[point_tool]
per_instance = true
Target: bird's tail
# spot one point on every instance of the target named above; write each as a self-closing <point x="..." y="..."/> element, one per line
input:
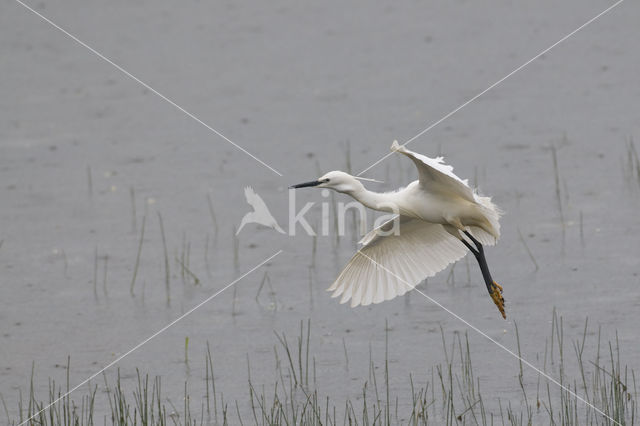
<point x="492" y="213"/>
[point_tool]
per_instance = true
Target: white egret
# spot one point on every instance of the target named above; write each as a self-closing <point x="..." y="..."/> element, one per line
<point x="440" y="218"/>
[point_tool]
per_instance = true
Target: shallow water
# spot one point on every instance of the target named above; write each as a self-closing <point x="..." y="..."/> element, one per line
<point x="294" y="84"/>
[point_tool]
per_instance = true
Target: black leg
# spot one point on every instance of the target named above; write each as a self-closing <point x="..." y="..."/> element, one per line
<point x="482" y="261"/>
<point x="495" y="291"/>
<point x="471" y="249"/>
<point x="472" y="238"/>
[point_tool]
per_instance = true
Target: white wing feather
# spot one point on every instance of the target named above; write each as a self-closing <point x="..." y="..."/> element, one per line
<point x="434" y="175"/>
<point x="390" y="265"/>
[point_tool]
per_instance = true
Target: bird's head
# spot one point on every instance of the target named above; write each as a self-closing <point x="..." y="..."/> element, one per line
<point x="336" y="180"/>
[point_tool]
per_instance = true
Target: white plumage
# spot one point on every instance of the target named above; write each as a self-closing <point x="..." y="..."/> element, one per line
<point x="399" y="262"/>
<point x="439" y="216"/>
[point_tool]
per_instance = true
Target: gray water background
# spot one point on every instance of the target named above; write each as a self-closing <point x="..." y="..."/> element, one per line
<point x="295" y="84"/>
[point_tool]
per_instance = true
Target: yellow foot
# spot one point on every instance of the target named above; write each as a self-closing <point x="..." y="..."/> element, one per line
<point x="496" y="296"/>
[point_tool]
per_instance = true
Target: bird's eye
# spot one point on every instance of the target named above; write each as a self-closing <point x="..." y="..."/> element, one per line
<point x="326" y="180"/>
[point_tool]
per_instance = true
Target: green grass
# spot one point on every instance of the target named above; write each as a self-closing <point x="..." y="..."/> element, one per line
<point x="451" y="395"/>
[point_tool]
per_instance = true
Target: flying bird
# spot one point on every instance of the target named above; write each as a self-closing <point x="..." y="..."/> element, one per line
<point x="440" y="218"/>
<point x="260" y="214"/>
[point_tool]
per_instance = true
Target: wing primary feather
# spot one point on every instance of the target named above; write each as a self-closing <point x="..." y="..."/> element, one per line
<point x="389" y="266"/>
<point x="369" y="286"/>
<point x="359" y="281"/>
<point x="380" y="290"/>
<point x="350" y="280"/>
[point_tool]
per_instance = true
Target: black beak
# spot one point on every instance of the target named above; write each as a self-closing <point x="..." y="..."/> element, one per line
<point x="306" y="184"/>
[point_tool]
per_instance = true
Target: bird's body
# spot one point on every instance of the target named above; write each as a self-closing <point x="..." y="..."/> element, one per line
<point x="439" y="218"/>
<point x="419" y="202"/>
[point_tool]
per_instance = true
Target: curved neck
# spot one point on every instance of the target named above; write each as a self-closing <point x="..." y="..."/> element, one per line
<point x="374" y="200"/>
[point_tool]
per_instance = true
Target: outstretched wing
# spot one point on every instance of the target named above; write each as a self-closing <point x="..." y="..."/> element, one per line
<point x="390" y="265"/>
<point x="435" y="176"/>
